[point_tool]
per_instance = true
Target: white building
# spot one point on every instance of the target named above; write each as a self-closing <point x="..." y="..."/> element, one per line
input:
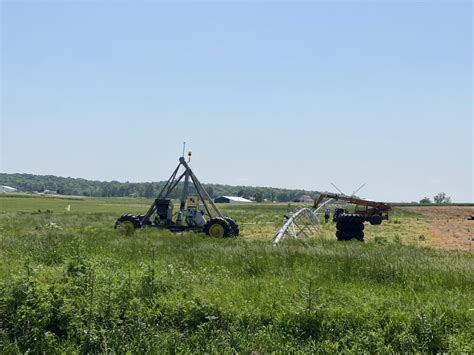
<point x="231" y="199"/>
<point x="4" y="188"/>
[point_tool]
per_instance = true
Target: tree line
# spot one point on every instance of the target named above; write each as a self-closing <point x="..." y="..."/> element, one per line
<point x="439" y="198"/>
<point x="93" y="188"/>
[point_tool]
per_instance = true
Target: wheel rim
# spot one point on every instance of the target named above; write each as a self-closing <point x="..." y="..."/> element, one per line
<point x="216" y="230"/>
<point x="126" y="227"/>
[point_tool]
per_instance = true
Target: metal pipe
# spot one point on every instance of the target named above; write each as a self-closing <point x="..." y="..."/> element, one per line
<point x="290" y="223"/>
<point x="171" y="187"/>
<point x="153" y="206"/>
<point x="200" y="189"/>
<point x="184" y="196"/>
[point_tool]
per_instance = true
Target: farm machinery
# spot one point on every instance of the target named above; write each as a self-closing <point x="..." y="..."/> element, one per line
<point x="351" y="225"/>
<point x="195" y="213"/>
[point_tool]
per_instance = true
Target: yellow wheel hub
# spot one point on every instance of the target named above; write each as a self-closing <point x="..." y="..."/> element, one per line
<point x="216" y="230"/>
<point x="127" y="227"/>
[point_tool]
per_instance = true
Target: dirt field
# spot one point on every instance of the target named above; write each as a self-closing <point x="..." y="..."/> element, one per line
<point x="449" y="226"/>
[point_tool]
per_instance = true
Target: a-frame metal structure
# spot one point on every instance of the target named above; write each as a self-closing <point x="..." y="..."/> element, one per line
<point x="188" y="175"/>
<point x="189" y="217"/>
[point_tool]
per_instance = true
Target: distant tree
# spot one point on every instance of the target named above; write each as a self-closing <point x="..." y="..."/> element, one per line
<point x="441" y="198"/>
<point x="425" y="200"/>
<point x="148" y="190"/>
<point x="259" y="197"/>
<point x="73" y="186"/>
<point x="283" y="197"/>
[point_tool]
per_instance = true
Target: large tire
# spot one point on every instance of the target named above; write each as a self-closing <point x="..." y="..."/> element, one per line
<point x="346" y="226"/>
<point x="375" y="219"/>
<point x="127" y="224"/>
<point x="233" y="225"/>
<point x="218" y="228"/>
<point x="350" y="218"/>
<point x="342" y="235"/>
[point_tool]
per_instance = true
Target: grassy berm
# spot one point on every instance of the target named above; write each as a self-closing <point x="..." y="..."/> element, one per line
<point x="70" y="284"/>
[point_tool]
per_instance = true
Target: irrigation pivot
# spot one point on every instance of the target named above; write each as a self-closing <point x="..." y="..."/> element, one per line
<point x="196" y="213"/>
<point x="349" y="225"/>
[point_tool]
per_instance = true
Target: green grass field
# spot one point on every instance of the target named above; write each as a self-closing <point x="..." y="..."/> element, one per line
<point x="70" y="284"/>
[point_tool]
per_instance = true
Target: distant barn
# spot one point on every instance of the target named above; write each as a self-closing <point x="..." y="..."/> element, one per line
<point x="231" y="199"/>
<point x="306" y="198"/>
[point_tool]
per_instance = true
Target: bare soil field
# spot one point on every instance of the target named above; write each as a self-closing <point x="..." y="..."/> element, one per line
<point x="449" y="226"/>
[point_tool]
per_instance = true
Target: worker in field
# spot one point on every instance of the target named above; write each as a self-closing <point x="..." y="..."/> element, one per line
<point x="327" y="212"/>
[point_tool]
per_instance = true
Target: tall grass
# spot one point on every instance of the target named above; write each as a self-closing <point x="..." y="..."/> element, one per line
<point x="70" y="284"/>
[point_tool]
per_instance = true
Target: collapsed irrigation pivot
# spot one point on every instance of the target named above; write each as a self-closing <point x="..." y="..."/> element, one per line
<point x="160" y="214"/>
<point x="349" y="225"/>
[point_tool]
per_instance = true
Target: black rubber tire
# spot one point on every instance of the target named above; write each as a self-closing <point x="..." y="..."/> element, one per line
<point x="128" y="218"/>
<point x="342" y="235"/>
<point x="233" y="225"/>
<point x="350" y="218"/>
<point x="222" y="222"/>
<point x="375" y="219"/>
<point x="345" y="226"/>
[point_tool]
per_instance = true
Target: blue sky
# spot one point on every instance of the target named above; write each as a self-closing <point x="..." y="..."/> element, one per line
<point x="277" y="94"/>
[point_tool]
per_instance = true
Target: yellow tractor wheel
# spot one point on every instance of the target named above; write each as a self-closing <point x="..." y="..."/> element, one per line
<point x="218" y="228"/>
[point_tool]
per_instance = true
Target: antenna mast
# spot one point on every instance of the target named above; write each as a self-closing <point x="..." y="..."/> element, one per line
<point x="337" y="188"/>
<point x="357" y="190"/>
